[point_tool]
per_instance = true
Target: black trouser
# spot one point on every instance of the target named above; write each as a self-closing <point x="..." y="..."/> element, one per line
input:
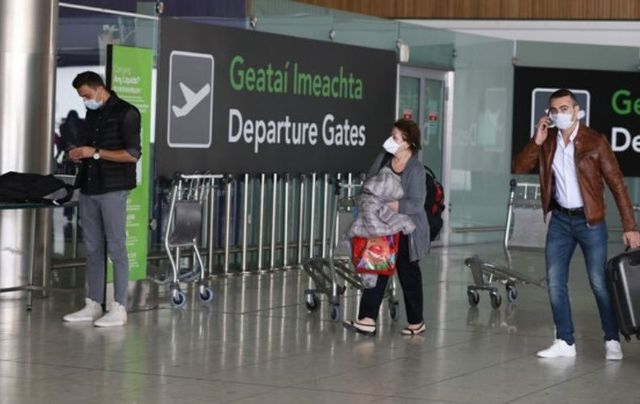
<point x="410" y="280"/>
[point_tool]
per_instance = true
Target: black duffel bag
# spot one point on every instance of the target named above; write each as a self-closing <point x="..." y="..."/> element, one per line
<point x="33" y="188"/>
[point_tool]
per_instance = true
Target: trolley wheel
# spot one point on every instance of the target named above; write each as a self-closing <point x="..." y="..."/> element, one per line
<point x="335" y="312"/>
<point x="312" y="302"/>
<point x="496" y="300"/>
<point x="394" y="313"/>
<point x="206" y="296"/>
<point x="178" y="298"/>
<point x="512" y="293"/>
<point x="474" y="298"/>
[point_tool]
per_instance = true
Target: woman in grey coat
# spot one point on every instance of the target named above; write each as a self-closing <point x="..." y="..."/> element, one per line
<point x="401" y="156"/>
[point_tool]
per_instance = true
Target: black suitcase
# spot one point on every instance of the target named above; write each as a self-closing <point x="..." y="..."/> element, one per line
<point x="624" y="281"/>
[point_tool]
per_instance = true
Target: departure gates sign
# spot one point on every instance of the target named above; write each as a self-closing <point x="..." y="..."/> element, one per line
<point x="270" y="80"/>
<point x="237" y="101"/>
<point x="609" y="103"/>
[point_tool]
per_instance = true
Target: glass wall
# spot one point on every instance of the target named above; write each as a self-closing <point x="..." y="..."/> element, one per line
<point x="480" y="154"/>
<point x="82" y="40"/>
<point x="589" y="57"/>
<point x="481" y="142"/>
<point x="480" y="167"/>
<point x="482" y="125"/>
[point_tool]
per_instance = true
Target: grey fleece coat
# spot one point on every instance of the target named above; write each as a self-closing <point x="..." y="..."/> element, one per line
<point x="376" y="218"/>
<point x="413" y="180"/>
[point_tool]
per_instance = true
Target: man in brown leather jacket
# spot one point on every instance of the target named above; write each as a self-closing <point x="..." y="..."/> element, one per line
<point x="574" y="162"/>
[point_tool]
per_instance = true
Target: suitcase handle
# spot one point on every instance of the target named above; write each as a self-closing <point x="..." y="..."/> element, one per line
<point x="634" y="259"/>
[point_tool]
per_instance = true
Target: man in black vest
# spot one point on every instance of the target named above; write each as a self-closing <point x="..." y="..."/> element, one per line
<point x="108" y="154"/>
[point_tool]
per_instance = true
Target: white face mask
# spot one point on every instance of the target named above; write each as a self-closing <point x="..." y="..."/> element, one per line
<point x="390" y="145"/>
<point x="92" y="104"/>
<point x="562" y="121"/>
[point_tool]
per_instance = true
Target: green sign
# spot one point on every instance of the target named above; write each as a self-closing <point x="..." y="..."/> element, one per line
<point x="239" y="109"/>
<point x="129" y="74"/>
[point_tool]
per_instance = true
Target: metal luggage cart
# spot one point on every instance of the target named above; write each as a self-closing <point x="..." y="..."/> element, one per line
<point x="331" y="276"/>
<point x="525" y="228"/>
<point x="184" y="228"/>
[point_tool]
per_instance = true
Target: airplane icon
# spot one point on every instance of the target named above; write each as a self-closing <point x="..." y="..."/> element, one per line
<point x="192" y="99"/>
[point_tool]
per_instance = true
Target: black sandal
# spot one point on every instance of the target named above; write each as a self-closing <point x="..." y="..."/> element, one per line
<point x="360" y="328"/>
<point x="414" y="331"/>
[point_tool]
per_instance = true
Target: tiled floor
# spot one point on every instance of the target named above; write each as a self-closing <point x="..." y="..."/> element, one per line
<point x="257" y="343"/>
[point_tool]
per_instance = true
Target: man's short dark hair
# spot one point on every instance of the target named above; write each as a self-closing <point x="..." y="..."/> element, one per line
<point x="563" y="92"/>
<point x="88" y="78"/>
<point x="410" y="132"/>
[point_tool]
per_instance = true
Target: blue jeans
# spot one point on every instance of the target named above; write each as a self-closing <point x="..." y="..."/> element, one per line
<point x="565" y="232"/>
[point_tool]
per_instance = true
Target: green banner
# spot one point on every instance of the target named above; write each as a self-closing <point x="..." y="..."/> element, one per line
<point x="129" y="73"/>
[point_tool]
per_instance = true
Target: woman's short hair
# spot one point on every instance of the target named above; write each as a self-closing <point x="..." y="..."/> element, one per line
<point x="410" y="132"/>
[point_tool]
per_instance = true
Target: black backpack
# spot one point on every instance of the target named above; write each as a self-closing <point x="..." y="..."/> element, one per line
<point x="433" y="203"/>
<point x="32" y="188"/>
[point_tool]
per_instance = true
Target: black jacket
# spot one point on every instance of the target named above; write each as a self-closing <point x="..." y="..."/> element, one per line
<point x="114" y="126"/>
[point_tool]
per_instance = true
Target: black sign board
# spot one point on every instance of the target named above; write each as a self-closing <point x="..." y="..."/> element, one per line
<point x="239" y="101"/>
<point x="610" y="102"/>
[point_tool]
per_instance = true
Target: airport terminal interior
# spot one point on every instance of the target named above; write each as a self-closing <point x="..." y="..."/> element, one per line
<point x="240" y="272"/>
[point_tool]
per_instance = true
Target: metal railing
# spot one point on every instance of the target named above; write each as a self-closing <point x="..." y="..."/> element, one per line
<point x="293" y="223"/>
<point x="488" y="229"/>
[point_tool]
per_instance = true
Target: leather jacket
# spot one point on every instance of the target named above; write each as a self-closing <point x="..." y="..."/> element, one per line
<point x="595" y="164"/>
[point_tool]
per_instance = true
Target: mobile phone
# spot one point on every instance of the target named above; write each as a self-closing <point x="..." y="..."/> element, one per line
<point x="551" y="125"/>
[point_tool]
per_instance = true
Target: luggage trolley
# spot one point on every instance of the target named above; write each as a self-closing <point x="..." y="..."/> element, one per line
<point x="524" y="228"/>
<point x="325" y="272"/>
<point x="184" y="227"/>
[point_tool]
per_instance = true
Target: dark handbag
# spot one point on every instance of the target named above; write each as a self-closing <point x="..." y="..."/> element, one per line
<point x="33" y="188"/>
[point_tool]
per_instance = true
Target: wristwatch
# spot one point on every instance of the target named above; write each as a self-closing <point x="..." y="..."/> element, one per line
<point x="96" y="155"/>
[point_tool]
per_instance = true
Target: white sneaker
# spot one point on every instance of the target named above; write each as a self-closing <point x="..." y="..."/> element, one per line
<point x="117" y="316"/>
<point x="559" y="349"/>
<point x="91" y="311"/>
<point x="613" y="350"/>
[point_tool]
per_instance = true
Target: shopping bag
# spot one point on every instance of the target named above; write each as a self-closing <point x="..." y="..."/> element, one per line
<point x="377" y="255"/>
